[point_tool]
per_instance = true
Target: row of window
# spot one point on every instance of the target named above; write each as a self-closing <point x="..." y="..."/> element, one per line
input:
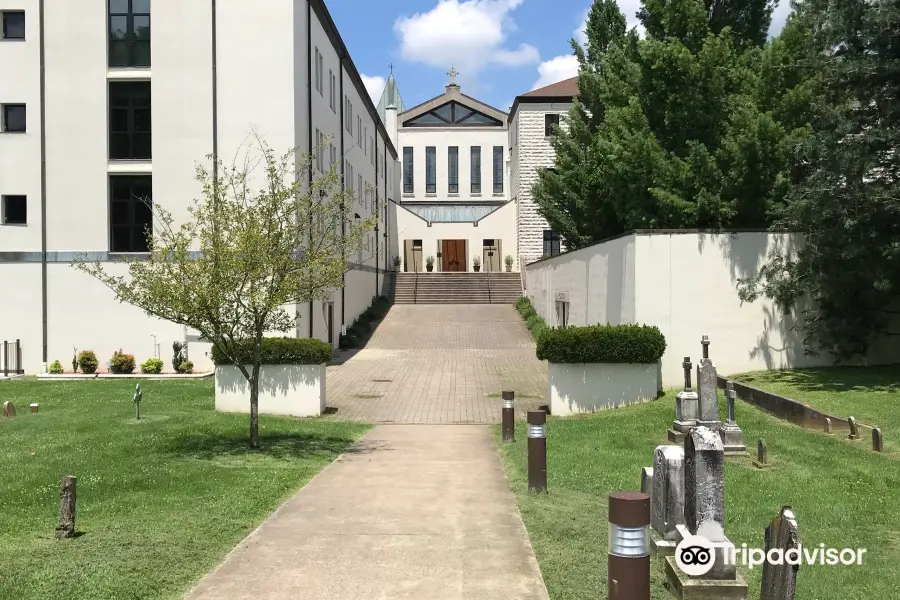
<point x="452" y="170"/>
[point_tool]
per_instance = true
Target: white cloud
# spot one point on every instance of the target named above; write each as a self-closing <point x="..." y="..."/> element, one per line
<point x="556" y="69"/>
<point x="374" y="85"/>
<point x="467" y="34"/>
<point x="779" y="16"/>
<point x="581" y="32"/>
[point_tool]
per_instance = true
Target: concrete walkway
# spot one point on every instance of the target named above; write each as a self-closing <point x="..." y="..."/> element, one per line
<point x="413" y="511"/>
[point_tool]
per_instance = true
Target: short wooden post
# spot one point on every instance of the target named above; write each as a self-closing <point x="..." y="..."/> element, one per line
<point x="66" y="527"/>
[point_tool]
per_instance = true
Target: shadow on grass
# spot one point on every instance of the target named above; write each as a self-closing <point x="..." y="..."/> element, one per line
<point x="277" y="446"/>
<point x="835" y="379"/>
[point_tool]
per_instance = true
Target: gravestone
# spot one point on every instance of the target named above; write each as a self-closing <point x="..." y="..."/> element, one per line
<point x="35" y="407"/>
<point x="828" y="426"/>
<point x="667" y="497"/>
<point x="762" y="455"/>
<point x="854" y="428"/>
<point x="779" y="582"/>
<point x="877" y="440"/>
<point x="686" y="407"/>
<point x="8" y="409"/>
<point x="707" y="389"/>
<point x="732" y="436"/>
<point x="647" y="482"/>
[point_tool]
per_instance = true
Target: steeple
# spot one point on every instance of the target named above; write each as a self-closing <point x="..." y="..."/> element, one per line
<point x="390" y="97"/>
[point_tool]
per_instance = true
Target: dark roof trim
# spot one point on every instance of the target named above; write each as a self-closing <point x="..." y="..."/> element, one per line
<point x="537" y="100"/>
<point x="347" y="62"/>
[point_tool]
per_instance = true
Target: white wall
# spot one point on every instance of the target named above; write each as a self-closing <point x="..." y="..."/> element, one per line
<point x="20" y="311"/>
<point x="599" y="283"/>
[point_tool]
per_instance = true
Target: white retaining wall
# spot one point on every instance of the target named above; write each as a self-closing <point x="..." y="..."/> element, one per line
<point x="291" y="390"/>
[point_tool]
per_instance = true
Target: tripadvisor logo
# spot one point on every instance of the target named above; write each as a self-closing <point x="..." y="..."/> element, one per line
<point x="695" y="555"/>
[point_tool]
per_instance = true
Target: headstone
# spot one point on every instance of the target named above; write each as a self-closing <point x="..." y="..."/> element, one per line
<point x="877" y="440"/>
<point x="779" y="581"/>
<point x="647" y="482"/>
<point x="707" y="389"/>
<point x="828" y="426"/>
<point x="686" y="407"/>
<point x="762" y="455"/>
<point x="667" y="496"/>
<point x="704" y="484"/>
<point x="732" y="436"/>
<point x="35" y="407"/>
<point x="8" y="409"/>
<point x="854" y="428"/>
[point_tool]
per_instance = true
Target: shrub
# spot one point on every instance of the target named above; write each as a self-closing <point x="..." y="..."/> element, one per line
<point x="121" y="364"/>
<point x="397" y="262"/>
<point x="56" y="368"/>
<point x="280" y="351"/>
<point x="178" y="357"/>
<point x="365" y="324"/>
<point x="429" y="261"/>
<point x="640" y="344"/>
<point x="533" y="321"/>
<point x="88" y="362"/>
<point x="152" y="366"/>
<point x="186" y="367"/>
<point x="508" y="260"/>
<point x="476" y="261"/>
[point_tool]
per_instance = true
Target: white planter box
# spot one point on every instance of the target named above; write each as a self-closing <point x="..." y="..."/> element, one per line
<point x="585" y="388"/>
<point x="291" y="390"/>
<point x="92" y="376"/>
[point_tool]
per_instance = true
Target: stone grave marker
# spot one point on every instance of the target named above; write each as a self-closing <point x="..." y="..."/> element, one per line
<point x="732" y="436"/>
<point x="854" y="429"/>
<point x="877" y="440"/>
<point x="35" y="407"/>
<point x="829" y="427"/>
<point x="667" y="497"/>
<point x="9" y="410"/>
<point x="707" y="389"/>
<point x="779" y="582"/>
<point x="647" y="482"/>
<point x="686" y="407"/>
<point x="762" y="455"/>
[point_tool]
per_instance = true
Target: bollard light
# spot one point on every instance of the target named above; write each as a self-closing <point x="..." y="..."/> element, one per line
<point x="629" y="546"/>
<point x="537" y="451"/>
<point x="508" y="417"/>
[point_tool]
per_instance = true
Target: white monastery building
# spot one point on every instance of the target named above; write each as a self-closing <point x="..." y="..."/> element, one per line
<point x="98" y="109"/>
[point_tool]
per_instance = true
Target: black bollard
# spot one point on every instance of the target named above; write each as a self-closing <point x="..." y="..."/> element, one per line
<point x="508" y="417"/>
<point x="537" y="451"/>
<point x="628" y="562"/>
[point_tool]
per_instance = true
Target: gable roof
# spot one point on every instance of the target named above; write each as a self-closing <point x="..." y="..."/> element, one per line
<point x="390" y="97"/>
<point x="452" y="94"/>
<point x="561" y="91"/>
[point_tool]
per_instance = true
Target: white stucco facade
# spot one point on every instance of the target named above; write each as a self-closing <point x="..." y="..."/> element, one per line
<point x="287" y="390"/>
<point x="685" y="283"/>
<point x="267" y="78"/>
<point x="586" y="388"/>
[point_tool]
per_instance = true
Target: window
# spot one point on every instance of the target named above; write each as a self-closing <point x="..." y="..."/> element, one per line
<point x="408" y="165"/>
<point x="15" y="210"/>
<point x="129" y="120"/>
<point x="551" y="243"/>
<point x="430" y="170"/>
<point x="13" y="24"/>
<point x="14" y="118"/>
<point x="562" y="313"/>
<point x="131" y="212"/>
<point x="320" y="74"/>
<point x="320" y="150"/>
<point x="549" y="122"/>
<point x="453" y="169"/>
<point x="359" y="131"/>
<point x="359" y="190"/>
<point x="498" y="169"/>
<point x="476" y="169"/>
<point x="129" y="33"/>
<point x="373" y="153"/>
<point x="348" y="114"/>
<point x="366" y="138"/>
<point x="331" y="88"/>
<point x="417" y="243"/>
<point x="453" y="114"/>
<point x="333" y="156"/>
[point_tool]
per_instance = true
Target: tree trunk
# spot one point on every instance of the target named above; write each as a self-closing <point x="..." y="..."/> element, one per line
<point x="66" y="527"/>
<point x="254" y="407"/>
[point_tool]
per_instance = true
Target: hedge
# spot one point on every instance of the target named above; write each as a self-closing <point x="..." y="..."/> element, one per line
<point x="280" y="351"/>
<point x="533" y="321"/>
<point x="640" y="344"/>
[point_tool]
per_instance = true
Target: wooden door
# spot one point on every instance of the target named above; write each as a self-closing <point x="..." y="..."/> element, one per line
<point x="453" y="255"/>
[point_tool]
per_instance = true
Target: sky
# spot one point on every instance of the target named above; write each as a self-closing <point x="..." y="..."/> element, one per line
<point x="500" y="48"/>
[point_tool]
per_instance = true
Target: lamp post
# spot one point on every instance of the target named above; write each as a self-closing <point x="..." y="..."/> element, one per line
<point x="628" y="572"/>
<point x="537" y="451"/>
<point x="508" y="417"/>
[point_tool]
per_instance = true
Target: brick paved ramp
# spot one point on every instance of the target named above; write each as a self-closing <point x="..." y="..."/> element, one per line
<point x="439" y="364"/>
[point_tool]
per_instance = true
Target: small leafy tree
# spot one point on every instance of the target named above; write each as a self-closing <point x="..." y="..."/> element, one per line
<point x="260" y="241"/>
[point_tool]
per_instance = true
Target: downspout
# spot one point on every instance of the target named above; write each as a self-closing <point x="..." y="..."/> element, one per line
<point x="215" y="95"/>
<point x="377" y="214"/>
<point x="43" y="96"/>
<point x="341" y="128"/>
<point x="309" y="96"/>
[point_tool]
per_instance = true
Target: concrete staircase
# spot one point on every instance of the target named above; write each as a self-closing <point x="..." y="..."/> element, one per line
<point x="458" y="288"/>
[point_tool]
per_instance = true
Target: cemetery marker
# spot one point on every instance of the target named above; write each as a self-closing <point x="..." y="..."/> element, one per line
<point x="66" y="526"/>
<point x="828" y="426"/>
<point x="877" y="440"/>
<point x="762" y="455"/>
<point x="8" y="409"/>
<point x="35" y="407"/>
<point x="779" y="582"/>
<point x="732" y="436"/>
<point x="854" y="429"/>
<point x="686" y="407"/>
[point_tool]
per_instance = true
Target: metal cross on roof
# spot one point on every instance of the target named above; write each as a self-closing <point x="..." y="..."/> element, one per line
<point x="453" y="73"/>
<point x="392" y="68"/>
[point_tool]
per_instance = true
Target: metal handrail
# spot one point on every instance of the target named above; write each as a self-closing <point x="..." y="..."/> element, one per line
<point x="416" y="284"/>
<point x="487" y="272"/>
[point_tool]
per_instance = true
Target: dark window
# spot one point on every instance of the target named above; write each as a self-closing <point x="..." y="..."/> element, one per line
<point x="487" y="243"/>
<point x="417" y="243"/>
<point x="15" y="210"/>
<point x="131" y="212"/>
<point x="453" y="169"/>
<point x="552" y="245"/>
<point x="14" y="118"/>
<point x="430" y="170"/>
<point x="550" y="121"/>
<point x="129" y="33"/>
<point x="408" y="165"/>
<point x="562" y="314"/>
<point x="476" y="169"/>
<point x="13" y="25"/>
<point x="498" y="169"/>
<point x="453" y="114"/>
<point x="129" y="120"/>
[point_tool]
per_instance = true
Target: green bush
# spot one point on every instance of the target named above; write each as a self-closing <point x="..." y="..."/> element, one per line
<point x="364" y="325"/>
<point x="56" y="368"/>
<point x="279" y="351"/>
<point x="152" y="366"/>
<point x="641" y="344"/>
<point x="88" y="362"/>
<point x="186" y="367"/>
<point x="533" y="321"/>
<point x="121" y="364"/>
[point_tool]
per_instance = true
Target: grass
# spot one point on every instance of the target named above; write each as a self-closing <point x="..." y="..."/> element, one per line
<point x="844" y="495"/>
<point x="871" y="394"/>
<point x="160" y="500"/>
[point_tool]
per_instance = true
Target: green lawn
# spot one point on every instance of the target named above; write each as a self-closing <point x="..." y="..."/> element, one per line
<point x="844" y="495"/>
<point x="871" y="394"/>
<point x="160" y="501"/>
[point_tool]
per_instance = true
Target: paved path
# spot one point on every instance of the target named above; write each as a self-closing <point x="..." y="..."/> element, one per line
<point x="439" y="364"/>
<point x="421" y="513"/>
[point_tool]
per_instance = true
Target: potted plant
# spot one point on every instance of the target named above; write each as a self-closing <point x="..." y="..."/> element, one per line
<point x="476" y="263"/>
<point x="396" y="263"/>
<point x="429" y="264"/>
<point x="509" y="263"/>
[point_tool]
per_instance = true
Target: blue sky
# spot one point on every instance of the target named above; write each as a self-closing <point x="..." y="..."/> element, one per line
<point x="501" y="48"/>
